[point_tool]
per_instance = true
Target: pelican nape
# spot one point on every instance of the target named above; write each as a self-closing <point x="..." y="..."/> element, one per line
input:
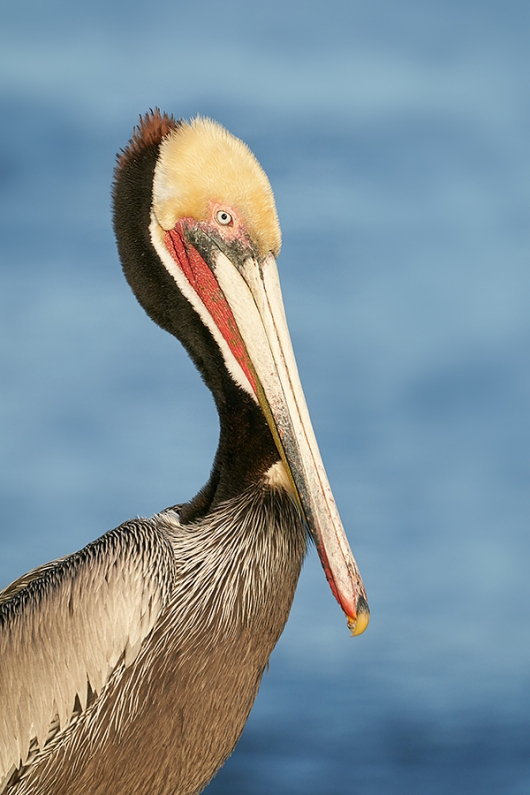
<point x="132" y="665"/>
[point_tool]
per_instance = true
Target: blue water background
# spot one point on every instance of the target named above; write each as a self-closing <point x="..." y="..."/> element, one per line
<point x="396" y="137"/>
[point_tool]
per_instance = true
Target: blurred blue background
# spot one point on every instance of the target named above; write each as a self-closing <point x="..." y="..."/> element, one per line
<point x="395" y="136"/>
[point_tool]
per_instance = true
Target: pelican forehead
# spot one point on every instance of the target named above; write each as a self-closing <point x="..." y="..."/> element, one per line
<point x="199" y="163"/>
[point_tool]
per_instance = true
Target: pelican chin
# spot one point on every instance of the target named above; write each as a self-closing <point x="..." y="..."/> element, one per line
<point x="132" y="665"/>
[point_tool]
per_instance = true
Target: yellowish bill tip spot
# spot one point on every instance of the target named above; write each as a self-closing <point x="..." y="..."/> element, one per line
<point x="359" y="624"/>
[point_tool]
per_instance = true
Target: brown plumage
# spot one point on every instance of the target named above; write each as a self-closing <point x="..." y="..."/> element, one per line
<point x="131" y="666"/>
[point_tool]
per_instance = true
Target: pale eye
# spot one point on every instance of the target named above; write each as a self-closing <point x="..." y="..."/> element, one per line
<point x="223" y="217"/>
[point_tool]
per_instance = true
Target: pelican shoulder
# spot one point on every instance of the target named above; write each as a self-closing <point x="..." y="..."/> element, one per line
<point x="66" y="626"/>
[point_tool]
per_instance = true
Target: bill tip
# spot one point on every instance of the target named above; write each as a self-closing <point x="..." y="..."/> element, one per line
<point x="358" y="624"/>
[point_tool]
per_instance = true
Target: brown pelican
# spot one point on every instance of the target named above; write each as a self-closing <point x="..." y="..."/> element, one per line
<point x="132" y="665"/>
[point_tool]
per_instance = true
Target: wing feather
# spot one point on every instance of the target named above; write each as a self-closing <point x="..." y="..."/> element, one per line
<point x="65" y="626"/>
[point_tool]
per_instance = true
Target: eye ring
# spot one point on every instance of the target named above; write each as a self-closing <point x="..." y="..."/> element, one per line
<point x="224" y="218"/>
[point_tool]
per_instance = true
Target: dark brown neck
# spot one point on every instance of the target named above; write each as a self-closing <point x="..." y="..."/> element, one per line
<point x="245" y="452"/>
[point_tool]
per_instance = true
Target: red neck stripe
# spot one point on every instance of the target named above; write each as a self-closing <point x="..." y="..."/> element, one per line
<point x="203" y="281"/>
